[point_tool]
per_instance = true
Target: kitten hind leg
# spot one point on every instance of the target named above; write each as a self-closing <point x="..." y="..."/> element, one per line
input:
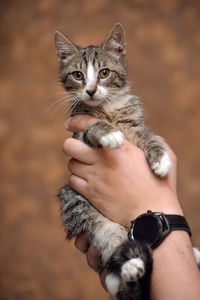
<point x="79" y="215"/>
<point x="127" y="262"/>
<point x="129" y="270"/>
<point x="75" y="211"/>
<point x="132" y="270"/>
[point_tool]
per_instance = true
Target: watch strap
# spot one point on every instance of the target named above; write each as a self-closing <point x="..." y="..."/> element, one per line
<point x="178" y="222"/>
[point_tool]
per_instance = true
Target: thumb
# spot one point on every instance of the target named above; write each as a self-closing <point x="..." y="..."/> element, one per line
<point x="79" y="122"/>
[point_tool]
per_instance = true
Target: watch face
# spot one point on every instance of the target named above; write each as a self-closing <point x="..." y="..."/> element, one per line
<point x="147" y="228"/>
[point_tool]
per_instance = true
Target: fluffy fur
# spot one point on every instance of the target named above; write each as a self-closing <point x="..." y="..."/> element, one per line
<point x="96" y="81"/>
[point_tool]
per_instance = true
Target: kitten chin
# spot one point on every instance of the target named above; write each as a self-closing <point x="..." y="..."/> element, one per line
<point x="93" y="102"/>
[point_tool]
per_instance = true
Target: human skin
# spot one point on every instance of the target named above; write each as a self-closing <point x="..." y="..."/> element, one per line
<point x="129" y="189"/>
<point x="88" y="167"/>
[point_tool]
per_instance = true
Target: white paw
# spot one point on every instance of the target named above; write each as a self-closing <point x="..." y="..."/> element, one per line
<point x="112" y="284"/>
<point x="163" y="167"/>
<point x="197" y="255"/>
<point x="112" y="140"/>
<point x="132" y="270"/>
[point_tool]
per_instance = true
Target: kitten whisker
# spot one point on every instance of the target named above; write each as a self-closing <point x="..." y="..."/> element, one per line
<point x="75" y="104"/>
<point x="57" y="102"/>
<point x="55" y="94"/>
<point x="54" y="107"/>
<point x="63" y="101"/>
<point x="62" y="110"/>
<point x="57" y="109"/>
<point x="63" y="106"/>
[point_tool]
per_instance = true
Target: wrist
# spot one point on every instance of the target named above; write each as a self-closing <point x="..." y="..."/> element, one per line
<point x="167" y="205"/>
<point x="154" y="227"/>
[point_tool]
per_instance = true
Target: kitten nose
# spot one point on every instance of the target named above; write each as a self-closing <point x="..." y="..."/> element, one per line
<point x="91" y="92"/>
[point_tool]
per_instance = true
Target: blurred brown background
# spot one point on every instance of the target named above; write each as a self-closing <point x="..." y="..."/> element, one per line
<point x="163" y="43"/>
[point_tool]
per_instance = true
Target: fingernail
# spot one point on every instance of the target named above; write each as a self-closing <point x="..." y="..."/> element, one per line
<point x="67" y="122"/>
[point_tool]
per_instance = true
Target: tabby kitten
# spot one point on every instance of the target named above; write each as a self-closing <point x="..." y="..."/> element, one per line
<point x="96" y="81"/>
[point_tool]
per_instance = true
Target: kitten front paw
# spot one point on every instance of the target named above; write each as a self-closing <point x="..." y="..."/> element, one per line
<point x="162" y="167"/>
<point x="132" y="270"/>
<point x="112" y="140"/>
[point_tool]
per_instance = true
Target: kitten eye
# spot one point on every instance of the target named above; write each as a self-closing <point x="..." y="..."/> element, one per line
<point x="104" y="73"/>
<point x="78" y="75"/>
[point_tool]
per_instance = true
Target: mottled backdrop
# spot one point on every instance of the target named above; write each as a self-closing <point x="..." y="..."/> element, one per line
<point x="163" y="43"/>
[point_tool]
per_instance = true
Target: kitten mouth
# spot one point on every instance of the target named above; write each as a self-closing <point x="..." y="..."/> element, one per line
<point x="93" y="102"/>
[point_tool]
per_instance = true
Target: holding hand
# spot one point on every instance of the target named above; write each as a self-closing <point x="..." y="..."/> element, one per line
<point x="118" y="182"/>
<point x="122" y="186"/>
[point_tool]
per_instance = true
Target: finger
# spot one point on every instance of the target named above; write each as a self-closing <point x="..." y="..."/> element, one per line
<point x="82" y="241"/>
<point x="78" y="184"/>
<point x="77" y="168"/>
<point x="102" y="277"/>
<point x="79" y="122"/>
<point x="93" y="257"/>
<point x="79" y="151"/>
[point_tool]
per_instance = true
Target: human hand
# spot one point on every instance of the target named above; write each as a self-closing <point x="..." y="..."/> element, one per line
<point x="129" y="189"/>
<point x="92" y="254"/>
<point x="118" y="182"/>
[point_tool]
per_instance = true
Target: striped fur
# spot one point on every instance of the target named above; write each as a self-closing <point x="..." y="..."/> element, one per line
<point x="119" y="112"/>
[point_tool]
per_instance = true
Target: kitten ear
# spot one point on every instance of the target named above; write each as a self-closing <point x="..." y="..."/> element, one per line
<point x="115" y="40"/>
<point x="64" y="47"/>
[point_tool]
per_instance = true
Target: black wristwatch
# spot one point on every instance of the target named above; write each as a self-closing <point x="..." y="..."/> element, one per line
<point x="153" y="227"/>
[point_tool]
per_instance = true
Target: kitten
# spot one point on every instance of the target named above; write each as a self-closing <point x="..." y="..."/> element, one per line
<point x="96" y="81"/>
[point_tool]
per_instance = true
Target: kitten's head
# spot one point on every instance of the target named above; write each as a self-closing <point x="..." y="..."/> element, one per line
<point x="93" y="75"/>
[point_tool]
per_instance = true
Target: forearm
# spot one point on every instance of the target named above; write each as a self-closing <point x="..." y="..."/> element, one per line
<point x="175" y="272"/>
